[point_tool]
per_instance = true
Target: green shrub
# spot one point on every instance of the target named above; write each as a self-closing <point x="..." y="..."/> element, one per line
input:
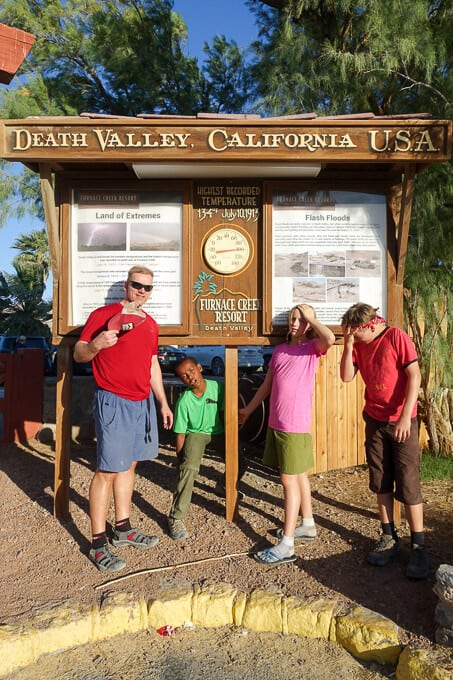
<point x="436" y="468"/>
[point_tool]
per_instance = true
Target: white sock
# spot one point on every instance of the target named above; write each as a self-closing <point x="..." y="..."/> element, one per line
<point x="308" y="522"/>
<point x="286" y="546"/>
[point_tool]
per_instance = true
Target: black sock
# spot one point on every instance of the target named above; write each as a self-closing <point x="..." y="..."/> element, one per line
<point x="389" y="529"/>
<point x="417" y="539"/>
<point x="98" y="540"/>
<point x="123" y="525"/>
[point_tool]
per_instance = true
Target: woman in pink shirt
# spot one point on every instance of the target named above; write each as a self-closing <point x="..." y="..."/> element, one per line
<point x="290" y="383"/>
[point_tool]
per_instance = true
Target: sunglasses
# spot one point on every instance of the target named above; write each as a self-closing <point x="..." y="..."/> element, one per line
<point x="138" y="286"/>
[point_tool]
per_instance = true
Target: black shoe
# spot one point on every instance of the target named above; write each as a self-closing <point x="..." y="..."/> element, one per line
<point x="386" y="548"/>
<point x="418" y="564"/>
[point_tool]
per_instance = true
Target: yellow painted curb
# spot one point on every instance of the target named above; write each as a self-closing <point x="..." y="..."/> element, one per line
<point x="368" y="636"/>
<point x="363" y="633"/>
<point x="422" y="664"/>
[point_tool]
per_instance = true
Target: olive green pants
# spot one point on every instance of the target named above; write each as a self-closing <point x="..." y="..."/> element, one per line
<point x="194" y="447"/>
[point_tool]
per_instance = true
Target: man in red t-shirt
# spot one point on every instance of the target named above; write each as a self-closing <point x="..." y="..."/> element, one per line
<point x="121" y="341"/>
<point x="388" y="364"/>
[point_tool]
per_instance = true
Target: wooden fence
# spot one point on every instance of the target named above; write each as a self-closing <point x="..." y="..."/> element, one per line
<point x="338" y="428"/>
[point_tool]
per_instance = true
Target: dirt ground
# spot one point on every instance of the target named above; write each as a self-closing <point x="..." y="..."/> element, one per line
<point x="50" y="557"/>
<point x="204" y="654"/>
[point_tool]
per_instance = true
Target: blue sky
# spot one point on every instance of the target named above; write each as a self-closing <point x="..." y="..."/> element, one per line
<point x="207" y="18"/>
<point x="204" y="19"/>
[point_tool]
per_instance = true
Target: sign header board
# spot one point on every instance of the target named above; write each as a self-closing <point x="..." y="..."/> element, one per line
<point x="141" y="140"/>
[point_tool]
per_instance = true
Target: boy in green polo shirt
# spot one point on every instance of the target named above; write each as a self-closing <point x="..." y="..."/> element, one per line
<point x="198" y="422"/>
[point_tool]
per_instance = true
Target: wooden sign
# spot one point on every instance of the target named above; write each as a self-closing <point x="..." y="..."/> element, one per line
<point x="240" y="218"/>
<point x="226" y="290"/>
<point x="138" y="142"/>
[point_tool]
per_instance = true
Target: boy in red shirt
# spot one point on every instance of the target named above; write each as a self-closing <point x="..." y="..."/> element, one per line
<point x="388" y="364"/>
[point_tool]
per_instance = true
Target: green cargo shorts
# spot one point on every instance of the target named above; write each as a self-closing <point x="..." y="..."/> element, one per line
<point x="291" y="452"/>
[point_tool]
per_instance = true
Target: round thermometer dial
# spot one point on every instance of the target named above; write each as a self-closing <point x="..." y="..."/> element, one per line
<point x="227" y="250"/>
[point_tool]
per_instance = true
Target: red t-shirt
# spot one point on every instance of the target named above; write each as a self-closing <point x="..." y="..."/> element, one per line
<point x="125" y="368"/>
<point x="381" y="364"/>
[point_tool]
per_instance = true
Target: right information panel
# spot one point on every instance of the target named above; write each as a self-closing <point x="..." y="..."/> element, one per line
<point x="329" y="250"/>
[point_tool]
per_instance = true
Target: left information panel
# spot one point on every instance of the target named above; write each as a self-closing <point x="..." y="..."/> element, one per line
<point x="111" y="231"/>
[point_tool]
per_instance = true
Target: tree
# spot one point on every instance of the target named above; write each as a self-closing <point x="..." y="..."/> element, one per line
<point x="34" y="255"/>
<point x="116" y="57"/>
<point x="113" y="57"/>
<point x="344" y="55"/>
<point x="228" y="80"/>
<point x="429" y="301"/>
<point x="23" y="311"/>
<point x="19" y="188"/>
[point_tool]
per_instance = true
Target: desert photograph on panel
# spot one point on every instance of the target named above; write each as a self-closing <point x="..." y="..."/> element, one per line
<point x="294" y="264"/>
<point x="363" y="263"/>
<point x="343" y="290"/>
<point x="329" y="263"/>
<point x="309" y="290"/>
<point x="162" y="236"/>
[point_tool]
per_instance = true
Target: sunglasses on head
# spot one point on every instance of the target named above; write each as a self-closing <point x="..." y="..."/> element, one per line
<point x="138" y="286"/>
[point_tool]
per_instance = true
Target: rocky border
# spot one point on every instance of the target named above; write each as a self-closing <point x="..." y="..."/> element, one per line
<point x="443" y="615"/>
<point x="366" y="635"/>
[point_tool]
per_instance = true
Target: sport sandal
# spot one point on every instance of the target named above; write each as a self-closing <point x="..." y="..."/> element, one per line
<point x="272" y="558"/>
<point x="105" y="560"/>
<point x="134" y="537"/>
<point x="302" y="533"/>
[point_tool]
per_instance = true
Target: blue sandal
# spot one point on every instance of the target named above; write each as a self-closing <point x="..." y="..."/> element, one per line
<point x="272" y="558"/>
<point x="134" y="537"/>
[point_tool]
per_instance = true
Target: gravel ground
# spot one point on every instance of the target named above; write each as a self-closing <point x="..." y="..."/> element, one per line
<point x="51" y="557"/>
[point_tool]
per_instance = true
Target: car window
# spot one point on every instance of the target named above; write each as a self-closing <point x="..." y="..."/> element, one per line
<point x="36" y="343"/>
<point x="7" y="344"/>
<point x="10" y="343"/>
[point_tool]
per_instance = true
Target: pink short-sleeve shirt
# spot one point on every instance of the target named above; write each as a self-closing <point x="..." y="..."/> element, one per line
<point x="294" y="368"/>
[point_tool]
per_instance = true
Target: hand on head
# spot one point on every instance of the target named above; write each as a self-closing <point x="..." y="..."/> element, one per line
<point x="307" y="312"/>
<point x="348" y="335"/>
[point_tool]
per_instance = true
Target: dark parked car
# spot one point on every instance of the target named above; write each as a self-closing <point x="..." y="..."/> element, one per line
<point x="267" y="352"/>
<point x="212" y="358"/>
<point x="168" y="356"/>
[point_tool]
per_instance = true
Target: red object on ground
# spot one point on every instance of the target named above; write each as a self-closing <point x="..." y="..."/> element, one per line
<point x="166" y="631"/>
